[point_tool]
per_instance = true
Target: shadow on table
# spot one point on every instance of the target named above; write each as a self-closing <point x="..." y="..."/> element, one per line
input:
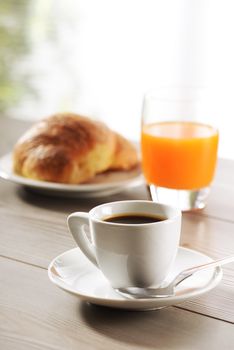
<point x="165" y="328"/>
<point x="68" y="204"/>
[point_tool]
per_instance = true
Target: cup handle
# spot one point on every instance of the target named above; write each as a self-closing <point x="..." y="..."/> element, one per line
<point x="76" y="223"/>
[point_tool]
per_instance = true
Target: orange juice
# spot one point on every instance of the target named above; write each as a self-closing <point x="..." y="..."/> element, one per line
<point x="179" y="155"/>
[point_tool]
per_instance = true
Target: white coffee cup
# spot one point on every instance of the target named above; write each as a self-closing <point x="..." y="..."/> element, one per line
<point x="129" y="255"/>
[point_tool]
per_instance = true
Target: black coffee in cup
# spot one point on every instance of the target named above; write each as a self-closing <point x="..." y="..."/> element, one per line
<point x="133" y="219"/>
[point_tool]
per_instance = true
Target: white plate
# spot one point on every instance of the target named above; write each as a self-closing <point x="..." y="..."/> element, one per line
<point x="103" y="184"/>
<point x="73" y="272"/>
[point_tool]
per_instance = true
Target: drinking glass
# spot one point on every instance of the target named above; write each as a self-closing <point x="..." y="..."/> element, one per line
<point x="179" y="146"/>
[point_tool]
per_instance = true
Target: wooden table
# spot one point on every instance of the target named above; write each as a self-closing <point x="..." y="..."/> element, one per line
<point x="34" y="314"/>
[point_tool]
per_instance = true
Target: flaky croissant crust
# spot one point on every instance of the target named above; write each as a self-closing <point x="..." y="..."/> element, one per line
<point x="69" y="148"/>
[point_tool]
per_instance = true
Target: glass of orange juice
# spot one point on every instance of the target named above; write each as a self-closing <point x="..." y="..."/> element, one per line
<point x="179" y="146"/>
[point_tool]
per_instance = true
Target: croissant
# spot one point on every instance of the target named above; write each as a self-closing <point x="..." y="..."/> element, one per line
<point x="69" y="148"/>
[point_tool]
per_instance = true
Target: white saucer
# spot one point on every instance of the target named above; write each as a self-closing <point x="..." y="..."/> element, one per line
<point x="73" y="272"/>
<point x="103" y="184"/>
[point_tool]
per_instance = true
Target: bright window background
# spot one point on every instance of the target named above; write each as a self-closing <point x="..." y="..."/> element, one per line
<point x="100" y="57"/>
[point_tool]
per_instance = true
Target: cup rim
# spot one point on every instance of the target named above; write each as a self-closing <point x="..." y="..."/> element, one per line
<point x="177" y="213"/>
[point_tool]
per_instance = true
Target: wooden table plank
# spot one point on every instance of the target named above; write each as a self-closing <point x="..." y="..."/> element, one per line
<point x="34" y="314"/>
<point x="30" y="235"/>
<point x="224" y="173"/>
<point x="23" y="213"/>
<point x="34" y="230"/>
<point x="34" y="226"/>
<point x="219" y="204"/>
<point x="218" y="303"/>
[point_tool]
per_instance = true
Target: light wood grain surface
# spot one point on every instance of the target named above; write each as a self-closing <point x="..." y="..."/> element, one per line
<point x="34" y="314"/>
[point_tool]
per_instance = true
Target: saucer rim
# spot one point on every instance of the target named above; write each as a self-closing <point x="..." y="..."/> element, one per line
<point x="141" y="304"/>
